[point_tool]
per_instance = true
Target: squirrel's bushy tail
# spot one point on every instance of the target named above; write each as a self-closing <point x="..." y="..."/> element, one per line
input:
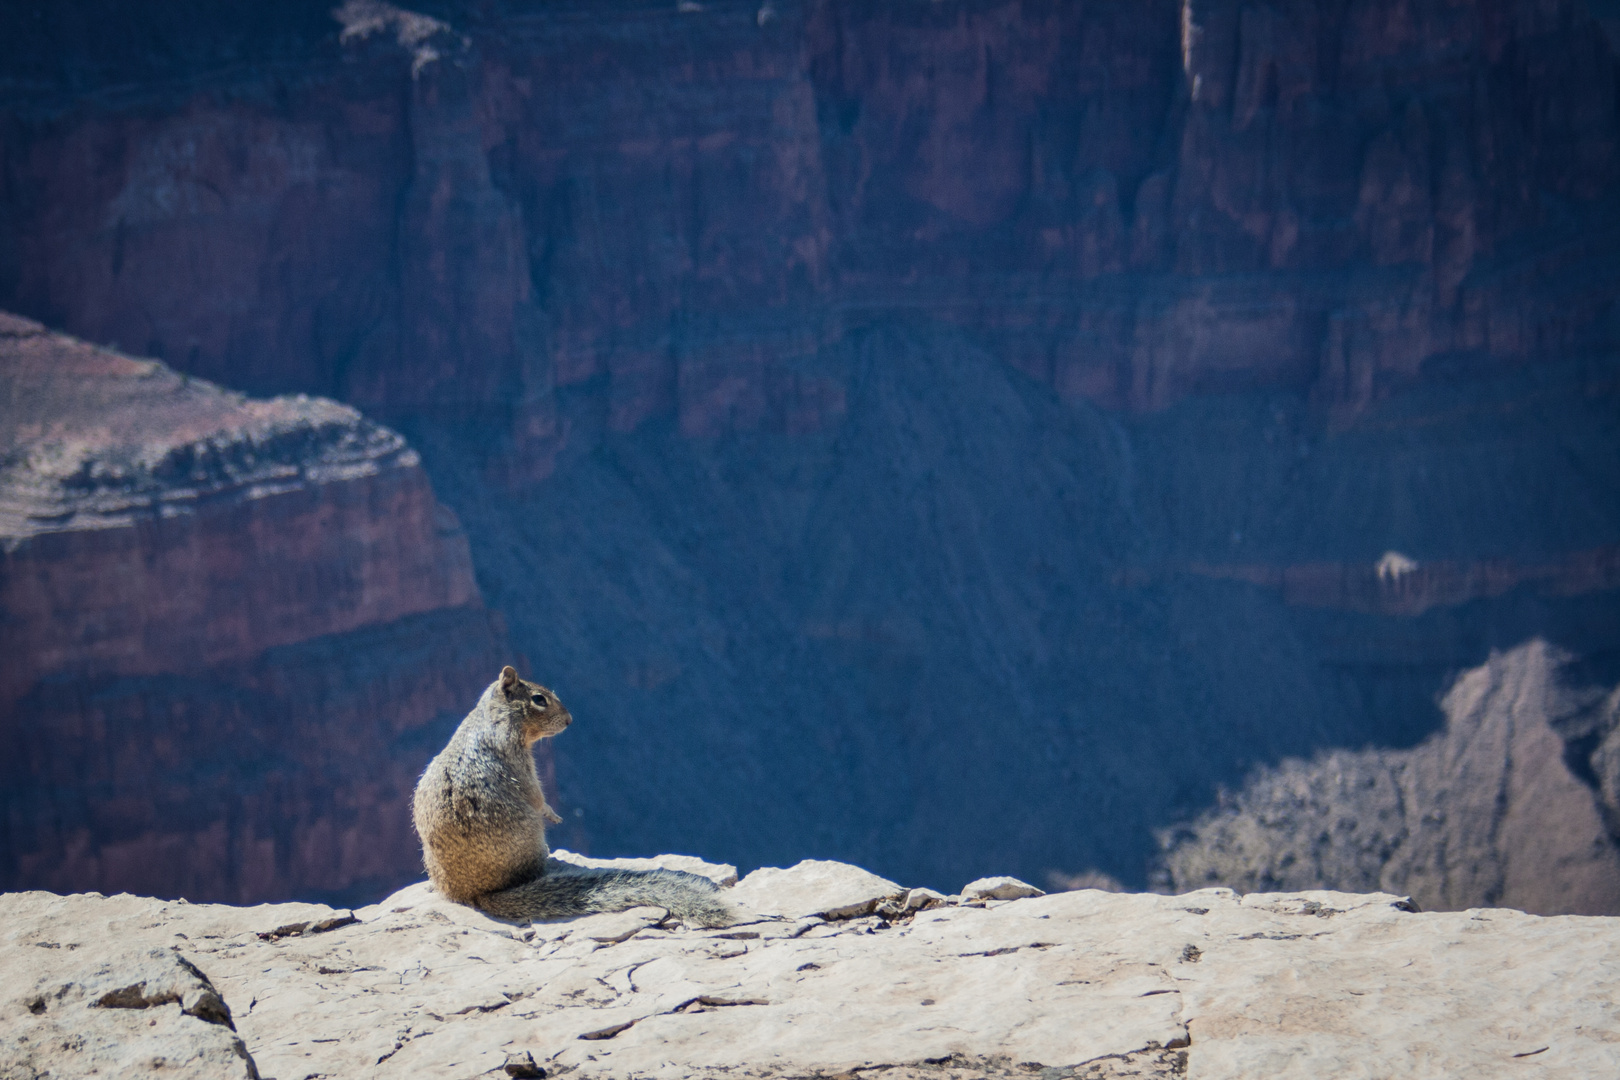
<point x="564" y="890"/>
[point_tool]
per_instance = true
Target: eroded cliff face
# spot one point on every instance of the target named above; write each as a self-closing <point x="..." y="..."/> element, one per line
<point x="214" y="613"/>
<point x="1514" y="803"/>
<point x="1133" y="202"/>
<point x="902" y="408"/>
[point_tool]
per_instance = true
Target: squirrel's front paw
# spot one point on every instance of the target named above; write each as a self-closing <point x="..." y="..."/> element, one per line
<point x="551" y="816"/>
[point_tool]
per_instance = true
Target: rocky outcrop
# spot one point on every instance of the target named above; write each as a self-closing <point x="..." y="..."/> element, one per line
<point x="1087" y="984"/>
<point x="110" y="1015"/>
<point x="215" y="614"/>
<point x="1513" y="804"/>
<point x="240" y="524"/>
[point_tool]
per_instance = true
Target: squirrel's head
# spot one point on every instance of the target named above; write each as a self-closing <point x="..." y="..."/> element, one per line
<point x="530" y="706"/>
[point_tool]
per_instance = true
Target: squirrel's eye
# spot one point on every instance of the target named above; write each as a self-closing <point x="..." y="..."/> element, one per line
<point x="539" y="699"/>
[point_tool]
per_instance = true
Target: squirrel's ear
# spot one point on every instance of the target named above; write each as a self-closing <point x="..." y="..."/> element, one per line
<point x="508" y="677"/>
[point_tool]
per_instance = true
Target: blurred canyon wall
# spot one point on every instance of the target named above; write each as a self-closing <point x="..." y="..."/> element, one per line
<point x="986" y="427"/>
<point x="1135" y="201"/>
<point x="216" y="614"/>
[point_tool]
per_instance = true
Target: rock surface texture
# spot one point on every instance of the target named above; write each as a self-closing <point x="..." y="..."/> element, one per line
<point x="1083" y="984"/>
<point x="215" y="609"/>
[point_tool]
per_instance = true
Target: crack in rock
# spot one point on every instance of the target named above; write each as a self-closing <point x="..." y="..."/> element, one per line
<point x="701" y="1003"/>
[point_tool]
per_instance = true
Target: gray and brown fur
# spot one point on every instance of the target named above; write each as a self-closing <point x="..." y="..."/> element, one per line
<point x="482" y="816"/>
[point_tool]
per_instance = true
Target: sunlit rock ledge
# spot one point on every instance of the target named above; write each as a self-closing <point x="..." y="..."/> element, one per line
<point x="831" y="971"/>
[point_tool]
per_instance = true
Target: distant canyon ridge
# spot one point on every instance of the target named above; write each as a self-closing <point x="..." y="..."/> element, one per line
<point x="953" y="437"/>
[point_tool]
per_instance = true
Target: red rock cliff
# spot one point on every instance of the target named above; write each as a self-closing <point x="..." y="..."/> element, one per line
<point x="1132" y="201"/>
<point x="215" y="609"/>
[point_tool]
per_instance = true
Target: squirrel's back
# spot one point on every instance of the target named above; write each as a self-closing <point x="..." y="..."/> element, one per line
<point x="476" y="838"/>
<point x="481" y="815"/>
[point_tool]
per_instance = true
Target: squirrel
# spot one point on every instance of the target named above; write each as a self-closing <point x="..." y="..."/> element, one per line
<point x="481" y="814"/>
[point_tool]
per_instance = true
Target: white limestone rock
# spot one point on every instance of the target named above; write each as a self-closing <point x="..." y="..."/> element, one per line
<point x="832" y="890"/>
<point x="919" y="899"/>
<point x="72" y="1011"/>
<point x="612" y="927"/>
<point x="999" y="888"/>
<point x="1207" y="985"/>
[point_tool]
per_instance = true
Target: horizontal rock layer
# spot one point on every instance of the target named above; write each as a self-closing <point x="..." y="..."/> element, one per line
<point x="1132" y="202"/>
<point x="152" y="521"/>
<point x="225" y="621"/>
<point x="1082" y="984"/>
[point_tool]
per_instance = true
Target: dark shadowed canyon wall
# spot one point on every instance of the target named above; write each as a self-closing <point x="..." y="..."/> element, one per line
<point x="1133" y="201"/>
<point x="950" y="436"/>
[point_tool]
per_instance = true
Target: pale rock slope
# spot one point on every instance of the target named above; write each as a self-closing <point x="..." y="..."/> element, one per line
<point x="1515" y="803"/>
<point x="847" y="974"/>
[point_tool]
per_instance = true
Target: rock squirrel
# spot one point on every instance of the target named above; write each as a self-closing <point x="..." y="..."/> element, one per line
<point x="482" y="816"/>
